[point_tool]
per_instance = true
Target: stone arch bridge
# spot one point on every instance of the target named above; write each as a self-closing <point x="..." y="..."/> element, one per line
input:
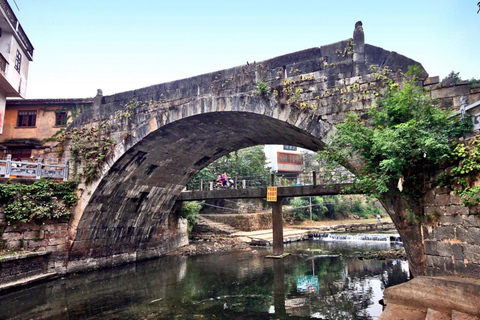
<point x="166" y="133"/>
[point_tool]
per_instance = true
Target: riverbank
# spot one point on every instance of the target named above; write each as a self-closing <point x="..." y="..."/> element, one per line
<point x="209" y="237"/>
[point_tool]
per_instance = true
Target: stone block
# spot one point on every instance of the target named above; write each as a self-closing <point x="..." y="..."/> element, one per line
<point x="471" y="252"/>
<point x="456" y="209"/>
<point x="457" y="315"/>
<point x="442" y="199"/>
<point x="469" y="235"/>
<point x="472" y="221"/>
<point x="444" y="233"/>
<point x="429" y="197"/>
<point x="445" y="220"/>
<point x="431" y="80"/>
<point x="437" y="315"/>
<point x="457" y="251"/>
<point x="431" y="248"/>
<point x="455" y="199"/>
<point x="10" y="236"/>
<point x="438" y="262"/>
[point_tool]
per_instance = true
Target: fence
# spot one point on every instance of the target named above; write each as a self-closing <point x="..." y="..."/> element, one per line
<point x="280" y="180"/>
<point x="37" y="170"/>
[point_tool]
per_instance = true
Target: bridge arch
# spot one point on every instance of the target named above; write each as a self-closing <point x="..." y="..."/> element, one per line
<point x="175" y="129"/>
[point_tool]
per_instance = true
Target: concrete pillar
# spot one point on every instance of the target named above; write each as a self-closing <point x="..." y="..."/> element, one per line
<point x="277" y="222"/>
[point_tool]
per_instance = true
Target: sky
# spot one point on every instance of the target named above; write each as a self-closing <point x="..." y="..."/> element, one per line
<point x="117" y="45"/>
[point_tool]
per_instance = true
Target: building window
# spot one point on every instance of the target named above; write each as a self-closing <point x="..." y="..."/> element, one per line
<point x="61" y="118"/>
<point x="19" y="154"/>
<point x="290" y="158"/>
<point x="18" y="61"/>
<point x="27" y="118"/>
<point x="290" y="148"/>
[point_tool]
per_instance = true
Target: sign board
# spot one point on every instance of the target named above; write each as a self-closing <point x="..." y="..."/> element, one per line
<point x="307" y="284"/>
<point x="272" y="194"/>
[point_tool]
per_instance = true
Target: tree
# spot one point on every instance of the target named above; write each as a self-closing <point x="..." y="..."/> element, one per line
<point x="241" y="163"/>
<point x="405" y="138"/>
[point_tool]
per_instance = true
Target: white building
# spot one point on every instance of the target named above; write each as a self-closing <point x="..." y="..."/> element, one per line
<point x="284" y="159"/>
<point x="16" y="52"/>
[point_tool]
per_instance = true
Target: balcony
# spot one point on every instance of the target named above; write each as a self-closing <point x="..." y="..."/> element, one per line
<point x="17" y="28"/>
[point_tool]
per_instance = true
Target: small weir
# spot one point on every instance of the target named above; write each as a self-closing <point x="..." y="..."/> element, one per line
<point x="378" y="237"/>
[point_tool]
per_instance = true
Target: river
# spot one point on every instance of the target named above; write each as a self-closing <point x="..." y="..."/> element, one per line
<point x="316" y="281"/>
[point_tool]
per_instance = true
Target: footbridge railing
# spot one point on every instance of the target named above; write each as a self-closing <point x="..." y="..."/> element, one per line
<point x="280" y="180"/>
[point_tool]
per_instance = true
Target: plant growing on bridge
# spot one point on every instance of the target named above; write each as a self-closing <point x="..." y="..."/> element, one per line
<point x="404" y="138"/>
<point x="91" y="148"/>
<point x="262" y="88"/>
<point x="467" y="153"/>
<point x="40" y="201"/>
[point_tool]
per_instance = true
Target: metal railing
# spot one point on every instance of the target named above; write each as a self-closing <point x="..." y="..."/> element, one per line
<point x="36" y="170"/>
<point x="279" y="180"/>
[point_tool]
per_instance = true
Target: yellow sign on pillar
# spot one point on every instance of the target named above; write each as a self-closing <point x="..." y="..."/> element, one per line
<point x="272" y="194"/>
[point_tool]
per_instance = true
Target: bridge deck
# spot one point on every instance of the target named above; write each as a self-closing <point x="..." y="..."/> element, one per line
<point x="295" y="191"/>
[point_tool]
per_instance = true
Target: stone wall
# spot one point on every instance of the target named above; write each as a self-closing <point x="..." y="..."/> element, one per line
<point x="23" y="266"/>
<point x="451" y="235"/>
<point x="244" y="221"/>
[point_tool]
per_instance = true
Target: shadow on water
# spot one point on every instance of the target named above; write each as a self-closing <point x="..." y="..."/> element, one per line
<point x="314" y="282"/>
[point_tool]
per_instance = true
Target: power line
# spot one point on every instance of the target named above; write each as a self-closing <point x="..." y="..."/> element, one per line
<point x="16" y="5"/>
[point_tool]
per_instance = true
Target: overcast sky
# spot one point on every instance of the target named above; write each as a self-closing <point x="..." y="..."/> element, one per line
<point x="119" y="45"/>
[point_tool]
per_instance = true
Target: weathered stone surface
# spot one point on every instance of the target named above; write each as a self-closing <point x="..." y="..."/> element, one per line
<point x="443" y="294"/>
<point x="469" y="235"/>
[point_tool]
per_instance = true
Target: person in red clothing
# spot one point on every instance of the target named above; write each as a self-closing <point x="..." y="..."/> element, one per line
<point x="224" y="179"/>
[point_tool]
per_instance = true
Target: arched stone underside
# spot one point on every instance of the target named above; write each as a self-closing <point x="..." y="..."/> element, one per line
<point x="178" y="128"/>
<point x="129" y="210"/>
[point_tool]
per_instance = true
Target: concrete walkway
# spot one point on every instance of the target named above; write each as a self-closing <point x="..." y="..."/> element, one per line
<point x="265" y="237"/>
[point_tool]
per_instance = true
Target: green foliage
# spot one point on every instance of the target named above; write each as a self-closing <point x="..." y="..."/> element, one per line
<point x="301" y="209"/>
<point x="332" y="207"/>
<point x="128" y="109"/>
<point x="467" y="171"/>
<point x="189" y="211"/>
<point x="91" y="148"/>
<point x="341" y="206"/>
<point x="241" y="163"/>
<point x="40" y="201"/>
<point x="262" y="88"/>
<point x="454" y="75"/>
<point x="406" y="136"/>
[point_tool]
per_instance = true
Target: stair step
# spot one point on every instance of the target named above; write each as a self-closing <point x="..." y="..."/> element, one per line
<point x="437" y="315"/>
<point x="398" y="312"/>
<point x="457" y="315"/>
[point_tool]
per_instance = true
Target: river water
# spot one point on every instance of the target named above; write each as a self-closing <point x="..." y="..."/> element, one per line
<point x="316" y="281"/>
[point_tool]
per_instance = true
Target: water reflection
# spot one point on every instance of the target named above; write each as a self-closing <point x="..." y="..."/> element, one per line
<point x="226" y="286"/>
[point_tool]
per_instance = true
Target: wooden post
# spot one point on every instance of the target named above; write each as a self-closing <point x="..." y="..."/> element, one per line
<point x="277" y="223"/>
<point x="272" y="178"/>
<point x="314" y="174"/>
<point x="201" y="184"/>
